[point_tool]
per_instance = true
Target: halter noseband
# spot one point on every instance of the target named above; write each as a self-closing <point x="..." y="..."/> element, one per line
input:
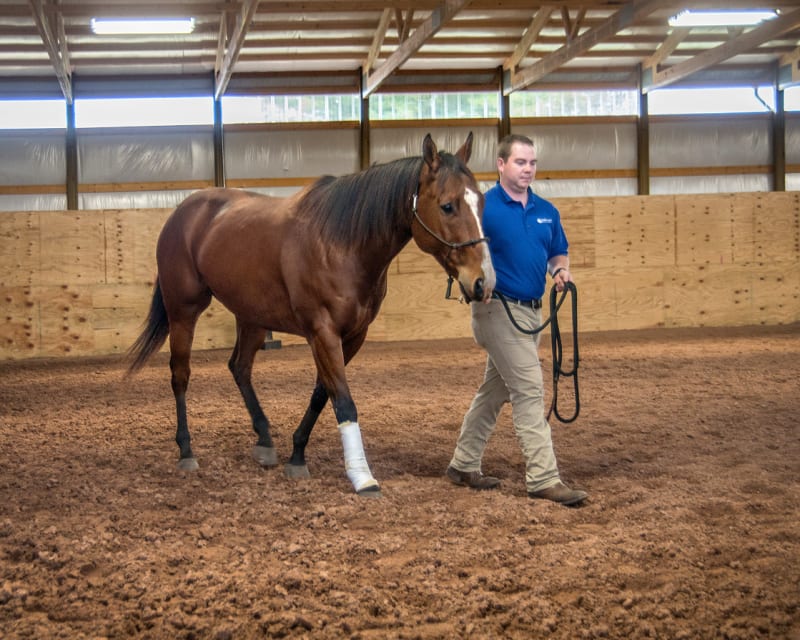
<point x="447" y="243"/>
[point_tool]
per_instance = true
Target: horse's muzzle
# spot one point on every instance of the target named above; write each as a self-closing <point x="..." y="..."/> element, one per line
<point x="478" y="290"/>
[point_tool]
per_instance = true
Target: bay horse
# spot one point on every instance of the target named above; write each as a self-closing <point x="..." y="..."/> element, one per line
<point x="315" y="265"/>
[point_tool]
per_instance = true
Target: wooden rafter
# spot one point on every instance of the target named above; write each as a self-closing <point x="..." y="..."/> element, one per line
<point x="404" y="23"/>
<point x="225" y="33"/>
<point x="654" y="79"/>
<point x="538" y="23"/>
<point x="789" y="69"/>
<point x="234" y="46"/>
<point x="439" y="16"/>
<point x="377" y="40"/>
<point x="627" y="15"/>
<point x="55" y="42"/>
<point x="576" y="25"/>
<point x="665" y="49"/>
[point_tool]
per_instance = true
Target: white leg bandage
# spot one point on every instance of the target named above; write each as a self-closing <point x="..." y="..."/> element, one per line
<point x="355" y="461"/>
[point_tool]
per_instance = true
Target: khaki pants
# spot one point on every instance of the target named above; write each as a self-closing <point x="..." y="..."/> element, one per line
<point x="513" y="374"/>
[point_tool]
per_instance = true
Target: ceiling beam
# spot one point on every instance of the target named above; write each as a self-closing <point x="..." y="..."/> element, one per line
<point x="626" y="16"/>
<point x="55" y="42"/>
<point x="538" y="23"/>
<point x="439" y="16"/>
<point x="377" y="40"/>
<point x="234" y="46"/>
<point x="789" y="70"/>
<point x="655" y="79"/>
<point x="666" y="48"/>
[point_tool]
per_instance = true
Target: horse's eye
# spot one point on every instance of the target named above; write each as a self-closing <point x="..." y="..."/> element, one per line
<point x="447" y="207"/>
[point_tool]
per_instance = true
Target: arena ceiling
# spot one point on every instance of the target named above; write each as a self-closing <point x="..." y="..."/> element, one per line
<point x="370" y="45"/>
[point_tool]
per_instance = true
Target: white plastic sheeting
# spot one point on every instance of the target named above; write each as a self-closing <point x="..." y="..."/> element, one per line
<point x="566" y="147"/>
<point x="390" y="143"/>
<point x="290" y="154"/>
<point x="584" y="146"/>
<point x="585" y="188"/>
<point x="145" y="156"/>
<point x="28" y="158"/>
<point x="710" y="184"/>
<point x="165" y="199"/>
<point x="710" y="142"/>
<point x="33" y="202"/>
<point x="172" y="155"/>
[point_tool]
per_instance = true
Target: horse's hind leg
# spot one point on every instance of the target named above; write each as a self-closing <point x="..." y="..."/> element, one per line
<point x="180" y="345"/>
<point x="249" y="340"/>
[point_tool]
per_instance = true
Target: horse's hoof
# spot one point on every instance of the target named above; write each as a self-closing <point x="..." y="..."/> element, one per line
<point x="265" y="456"/>
<point x="296" y="471"/>
<point x="373" y="491"/>
<point x="188" y="464"/>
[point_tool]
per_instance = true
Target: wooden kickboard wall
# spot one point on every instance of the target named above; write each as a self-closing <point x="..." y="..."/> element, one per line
<point x="79" y="282"/>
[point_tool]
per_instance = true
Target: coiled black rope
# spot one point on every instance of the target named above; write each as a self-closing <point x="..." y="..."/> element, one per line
<point x="558" y="352"/>
<point x="558" y="349"/>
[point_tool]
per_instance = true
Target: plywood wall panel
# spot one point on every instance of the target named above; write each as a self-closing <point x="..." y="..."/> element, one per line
<point x="776" y="292"/>
<point x="596" y="300"/>
<point x="73" y="248"/>
<point x="743" y="242"/>
<point x="578" y="219"/>
<point x="777" y="227"/>
<point x="19" y="323"/>
<point x="704" y="229"/>
<point x="65" y="313"/>
<point x="433" y="316"/>
<point x="75" y="283"/>
<point x="216" y="328"/>
<point x="708" y="297"/>
<point x="639" y="297"/>
<point x="634" y="231"/>
<point x="412" y="259"/>
<point x="131" y="244"/>
<point x="20" y="258"/>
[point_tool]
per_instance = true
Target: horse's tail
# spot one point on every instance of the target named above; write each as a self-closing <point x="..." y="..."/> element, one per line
<point x="154" y="333"/>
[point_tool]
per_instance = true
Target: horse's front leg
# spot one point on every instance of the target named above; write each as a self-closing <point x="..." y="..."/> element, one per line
<point x="296" y="467"/>
<point x="249" y="340"/>
<point x="330" y="359"/>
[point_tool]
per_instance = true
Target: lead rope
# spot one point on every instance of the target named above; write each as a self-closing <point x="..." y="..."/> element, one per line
<point x="558" y="351"/>
<point x="555" y="339"/>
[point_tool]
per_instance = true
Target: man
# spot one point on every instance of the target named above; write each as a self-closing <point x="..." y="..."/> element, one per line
<point x="526" y="242"/>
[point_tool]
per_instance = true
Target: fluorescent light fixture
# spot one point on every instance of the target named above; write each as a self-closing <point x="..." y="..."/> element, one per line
<point x="109" y="27"/>
<point x="722" y="18"/>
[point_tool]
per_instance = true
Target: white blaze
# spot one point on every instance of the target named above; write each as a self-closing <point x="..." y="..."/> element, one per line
<point x="486" y="264"/>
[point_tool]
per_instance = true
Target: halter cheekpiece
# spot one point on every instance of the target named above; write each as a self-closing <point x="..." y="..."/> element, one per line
<point x="447" y="243"/>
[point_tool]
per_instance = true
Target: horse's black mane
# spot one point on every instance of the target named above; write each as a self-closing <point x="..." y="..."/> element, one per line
<point x="369" y="206"/>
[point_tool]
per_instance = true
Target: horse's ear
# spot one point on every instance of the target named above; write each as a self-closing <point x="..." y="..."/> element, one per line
<point x="466" y="149"/>
<point x="430" y="153"/>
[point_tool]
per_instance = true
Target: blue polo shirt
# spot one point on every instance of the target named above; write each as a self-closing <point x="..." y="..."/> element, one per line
<point x="521" y="241"/>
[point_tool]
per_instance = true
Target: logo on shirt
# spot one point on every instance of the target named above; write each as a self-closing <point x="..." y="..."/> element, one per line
<point x="544" y="220"/>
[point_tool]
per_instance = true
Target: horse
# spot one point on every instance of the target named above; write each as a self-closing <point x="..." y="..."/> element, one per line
<point x="315" y="265"/>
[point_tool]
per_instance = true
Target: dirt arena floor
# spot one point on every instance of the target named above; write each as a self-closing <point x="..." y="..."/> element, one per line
<point x="688" y="442"/>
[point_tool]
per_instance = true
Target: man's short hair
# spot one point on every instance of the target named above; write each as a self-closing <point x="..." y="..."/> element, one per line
<point x="504" y="147"/>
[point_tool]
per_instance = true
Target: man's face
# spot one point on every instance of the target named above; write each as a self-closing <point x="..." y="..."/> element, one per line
<point x="517" y="173"/>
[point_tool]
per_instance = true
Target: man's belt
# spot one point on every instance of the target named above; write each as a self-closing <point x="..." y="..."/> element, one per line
<point x="536" y="303"/>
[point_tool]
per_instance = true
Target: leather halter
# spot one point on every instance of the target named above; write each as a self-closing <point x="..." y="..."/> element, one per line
<point x="447" y="243"/>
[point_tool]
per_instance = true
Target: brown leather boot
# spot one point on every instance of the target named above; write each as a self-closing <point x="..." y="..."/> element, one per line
<point x="471" y="479"/>
<point x="561" y="494"/>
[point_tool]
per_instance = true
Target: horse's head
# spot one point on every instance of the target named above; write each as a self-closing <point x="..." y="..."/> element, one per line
<point x="447" y="219"/>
